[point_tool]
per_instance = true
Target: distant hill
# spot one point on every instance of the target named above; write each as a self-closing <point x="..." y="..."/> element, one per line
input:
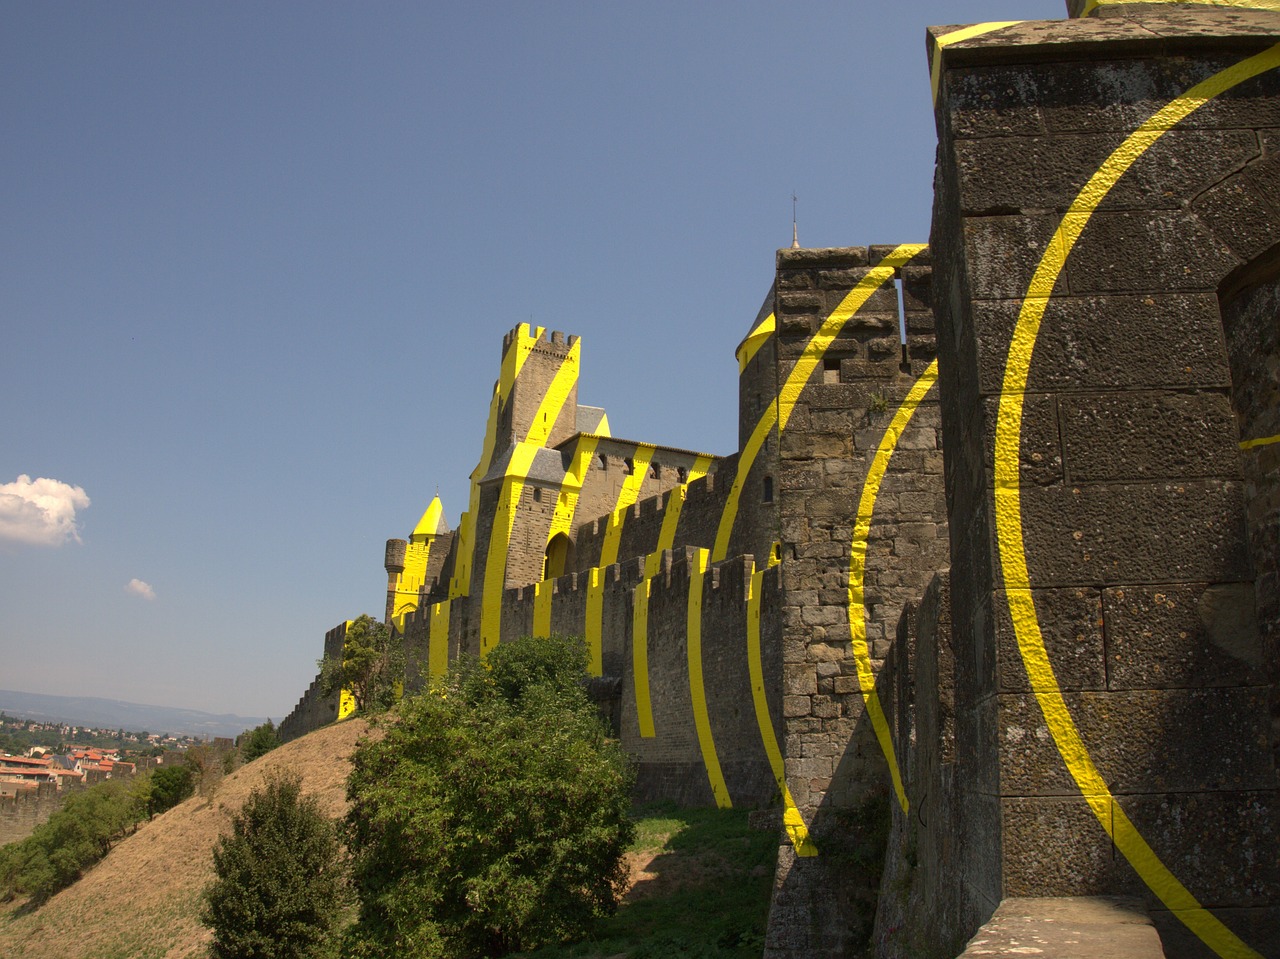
<point x="143" y="900"/>
<point x="132" y="717"/>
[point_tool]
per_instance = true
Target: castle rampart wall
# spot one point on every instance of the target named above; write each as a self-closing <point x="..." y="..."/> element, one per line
<point x="1113" y="699"/>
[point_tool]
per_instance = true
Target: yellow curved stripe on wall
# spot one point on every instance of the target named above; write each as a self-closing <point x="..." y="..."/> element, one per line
<point x="549" y="409"/>
<point x="438" y="640"/>
<point x="495" y="568"/>
<point x="640" y="605"/>
<point x="1260" y="441"/>
<point x="640" y="658"/>
<point x="857" y="572"/>
<point x="513" y="360"/>
<point x="609" y="555"/>
<point x="1008" y="509"/>
<point x="346" y="704"/>
<point x="790" y="393"/>
<point x="755" y="339"/>
<point x="553" y="400"/>
<point x="542" y="608"/>
<point x="562" y="522"/>
<point x="791" y="818"/>
<point x="460" y="583"/>
<point x="697" y="689"/>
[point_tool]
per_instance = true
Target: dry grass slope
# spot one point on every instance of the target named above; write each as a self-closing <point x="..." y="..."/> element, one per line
<point x="141" y="902"/>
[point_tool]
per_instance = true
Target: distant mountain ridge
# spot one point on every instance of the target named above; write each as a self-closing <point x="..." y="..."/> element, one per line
<point x="115" y="714"/>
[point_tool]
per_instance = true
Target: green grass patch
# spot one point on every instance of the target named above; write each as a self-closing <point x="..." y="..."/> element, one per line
<point x="708" y="895"/>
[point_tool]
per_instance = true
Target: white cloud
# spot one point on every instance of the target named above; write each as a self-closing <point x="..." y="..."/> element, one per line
<point x="40" y="511"/>
<point x="139" y="588"/>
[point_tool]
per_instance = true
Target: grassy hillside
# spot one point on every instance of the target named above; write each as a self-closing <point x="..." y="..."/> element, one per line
<point x="141" y="902"/>
<point x="700" y="878"/>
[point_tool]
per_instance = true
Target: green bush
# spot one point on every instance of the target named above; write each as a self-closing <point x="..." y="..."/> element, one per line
<point x="170" y="785"/>
<point x="278" y="892"/>
<point x="492" y="816"/>
<point x="71" y="840"/>
<point x="258" y="741"/>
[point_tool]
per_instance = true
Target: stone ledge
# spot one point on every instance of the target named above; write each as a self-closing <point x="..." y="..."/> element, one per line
<point x="1068" y="928"/>
<point x="1155" y="34"/>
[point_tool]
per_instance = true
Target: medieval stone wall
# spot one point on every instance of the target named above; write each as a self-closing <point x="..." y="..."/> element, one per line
<point x="1083" y="701"/>
<point x="1112" y="700"/>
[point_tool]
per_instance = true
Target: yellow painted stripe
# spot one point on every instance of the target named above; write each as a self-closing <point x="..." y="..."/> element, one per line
<point x="955" y="36"/>
<point x="517" y="353"/>
<point x="495" y="569"/>
<point x="562" y="522"/>
<point x="438" y="640"/>
<point x="542" y="608"/>
<point x="640" y="658"/>
<point x="640" y="606"/>
<point x="346" y="704"/>
<point x="557" y="394"/>
<point x="1008" y="508"/>
<point x="495" y="573"/>
<point x="513" y="360"/>
<point x="858" y="570"/>
<point x="460" y="583"/>
<point x="609" y="555"/>
<point x="571" y="486"/>
<point x="697" y="689"/>
<point x="780" y="412"/>
<point x="755" y="339"/>
<point x="1092" y="5"/>
<point x="791" y="818"/>
<point x="1260" y="441"/>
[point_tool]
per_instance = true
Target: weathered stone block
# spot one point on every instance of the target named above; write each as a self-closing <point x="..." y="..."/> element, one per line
<point x="1174" y="740"/>
<point x="1191" y="531"/>
<point x="1010" y="249"/>
<point x="1221" y="845"/>
<point x="1101" y="342"/>
<point x="1182" y="635"/>
<point x="1040" y="452"/>
<point x="1071" y="628"/>
<point x="1158" y="251"/>
<point x="1001" y="175"/>
<point x="1147" y="435"/>
<point x="1054" y="847"/>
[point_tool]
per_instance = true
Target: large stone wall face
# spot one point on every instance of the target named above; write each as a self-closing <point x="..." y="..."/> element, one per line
<point x="1253" y="346"/>
<point x="1131" y="505"/>
<point x="835" y="768"/>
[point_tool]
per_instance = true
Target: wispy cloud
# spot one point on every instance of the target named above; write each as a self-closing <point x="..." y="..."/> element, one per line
<point x="41" y="512"/>
<point x="139" y="588"/>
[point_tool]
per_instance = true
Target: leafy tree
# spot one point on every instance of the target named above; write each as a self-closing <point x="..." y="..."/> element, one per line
<point x="371" y="667"/>
<point x="492" y="816"/>
<point x="279" y="883"/>
<point x="75" y="837"/>
<point x="258" y="741"/>
<point x="170" y="785"/>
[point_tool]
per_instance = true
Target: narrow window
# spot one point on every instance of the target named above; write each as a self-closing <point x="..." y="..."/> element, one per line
<point x="628" y="466"/>
<point x="768" y="489"/>
<point x="655" y="471"/>
<point x="682" y="474"/>
<point x="831" y="370"/>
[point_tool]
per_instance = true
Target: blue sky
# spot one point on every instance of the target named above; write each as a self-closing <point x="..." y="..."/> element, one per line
<point x="256" y="261"/>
